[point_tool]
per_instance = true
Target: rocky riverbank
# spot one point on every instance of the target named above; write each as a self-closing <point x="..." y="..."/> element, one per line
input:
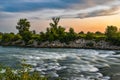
<point x="80" y="43"/>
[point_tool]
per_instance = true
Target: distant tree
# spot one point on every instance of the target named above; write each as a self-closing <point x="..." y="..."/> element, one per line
<point x="110" y="32"/>
<point x="81" y="32"/>
<point x="7" y="37"/>
<point x="71" y="35"/>
<point x="55" y="22"/>
<point x="34" y="32"/>
<point x="17" y="37"/>
<point x="42" y="36"/>
<point x="55" y="32"/>
<point x="98" y="33"/>
<point x="71" y="31"/>
<point x="116" y="39"/>
<point x="27" y="36"/>
<point x="1" y="35"/>
<point x="90" y="35"/>
<point x="23" y="27"/>
<point x="61" y="33"/>
<point x="81" y="35"/>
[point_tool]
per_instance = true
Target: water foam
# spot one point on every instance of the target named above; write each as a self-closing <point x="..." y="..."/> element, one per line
<point x="71" y="62"/>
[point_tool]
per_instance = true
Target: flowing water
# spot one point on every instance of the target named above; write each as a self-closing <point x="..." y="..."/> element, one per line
<point x="69" y="64"/>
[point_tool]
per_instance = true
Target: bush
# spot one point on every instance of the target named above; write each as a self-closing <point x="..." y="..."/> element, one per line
<point x="7" y="37"/>
<point x="20" y="74"/>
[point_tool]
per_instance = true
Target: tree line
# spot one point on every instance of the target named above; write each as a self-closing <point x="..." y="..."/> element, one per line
<point x="57" y="33"/>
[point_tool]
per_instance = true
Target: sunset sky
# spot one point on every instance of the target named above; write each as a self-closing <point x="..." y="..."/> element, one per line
<point x="82" y="15"/>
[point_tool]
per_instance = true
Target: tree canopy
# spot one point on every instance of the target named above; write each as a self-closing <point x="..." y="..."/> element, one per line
<point x="113" y="34"/>
<point x="22" y="26"/>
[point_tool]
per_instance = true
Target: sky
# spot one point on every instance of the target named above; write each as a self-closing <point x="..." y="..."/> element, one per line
<point x="82" y="15"/>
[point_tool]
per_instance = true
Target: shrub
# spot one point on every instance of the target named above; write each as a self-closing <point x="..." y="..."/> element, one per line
<point x="21" y="74"/>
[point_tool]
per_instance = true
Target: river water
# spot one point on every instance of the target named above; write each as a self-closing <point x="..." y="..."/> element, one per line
<point x="69" y="64"/>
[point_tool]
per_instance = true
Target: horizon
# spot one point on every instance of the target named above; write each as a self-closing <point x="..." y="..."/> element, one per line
<point x="81" y="15"/>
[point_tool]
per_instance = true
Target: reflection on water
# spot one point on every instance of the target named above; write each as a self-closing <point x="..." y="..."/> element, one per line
<point x="69" y="64"/>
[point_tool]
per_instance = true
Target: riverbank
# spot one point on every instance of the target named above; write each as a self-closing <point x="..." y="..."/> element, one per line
<point x="80" y="43"/>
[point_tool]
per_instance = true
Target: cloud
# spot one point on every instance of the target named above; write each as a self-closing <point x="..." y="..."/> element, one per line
<point x="43" y="1"/>
<point x="46" y="9"/>
<point x="108" y="12"/>
<point x="110" y="8"/>
<point x="39" y="9"/>
<point x="31" y="5"/>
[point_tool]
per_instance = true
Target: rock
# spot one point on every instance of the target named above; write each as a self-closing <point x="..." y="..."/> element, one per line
<point x="80" y="43"/>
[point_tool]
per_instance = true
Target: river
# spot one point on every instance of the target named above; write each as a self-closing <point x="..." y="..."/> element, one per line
<point x="69" y="64"/>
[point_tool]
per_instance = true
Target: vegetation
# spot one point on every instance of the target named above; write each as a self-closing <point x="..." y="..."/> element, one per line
<point x="23" y="73"/>
<point x="57" y="33"/>
<point x="23" y="27"/>
<point x="113" y="34"/>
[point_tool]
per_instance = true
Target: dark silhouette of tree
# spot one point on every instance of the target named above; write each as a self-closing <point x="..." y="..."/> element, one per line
<point x="61" y="33"/>
<point x="110" y="32"/>
<point x="23" y="27"/>
<point x="98" y="33"/>
<point x="34" y="32"/>
<point x="71" y="31"/>
<point x="90" y="35"/>
<point x="7" y="37"/>
<point x="71" y="35"/>
<point x="55" y="32"/>
<point x="55" y="22"/>
<point x="81" y="32"/>
<point x="42" y="36"/>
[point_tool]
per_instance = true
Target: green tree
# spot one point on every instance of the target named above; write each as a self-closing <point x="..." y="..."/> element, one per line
<point x="1" y="36"/>
<point x="17" y="37"/>
<point x="116" y="39"/>
<point x="90" y="35"/>
<point x="71" y="35"/>
<point x="55" y="22"/>
<point x="54" y="29"/>
<point x="7" y="37"/>
<point x="42" y="36"/>
<point x="55" y="32"/>
<point x="71" y="31"/>
<point x="110" y="32"/>
<point x="27" y="36"/>
<point x="23" y="27"/>
<point x="81" y="32"/>
<point x="113" y="35"/>
<point x="98" y="33"/>
<point x="34" y="32"/>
